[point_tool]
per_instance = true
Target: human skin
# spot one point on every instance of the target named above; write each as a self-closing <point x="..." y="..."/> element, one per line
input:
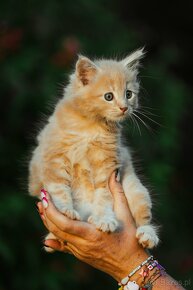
<point x="116" y="254"/>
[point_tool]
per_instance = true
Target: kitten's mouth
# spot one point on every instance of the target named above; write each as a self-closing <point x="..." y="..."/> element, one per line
<point x="120" y="116"/>
<point x="123" y="116"/>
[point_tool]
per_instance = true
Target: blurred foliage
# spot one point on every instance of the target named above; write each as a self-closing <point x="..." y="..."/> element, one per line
<point x="39" y="41"/>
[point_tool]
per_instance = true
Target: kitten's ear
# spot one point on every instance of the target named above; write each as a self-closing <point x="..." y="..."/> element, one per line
<point x="85" y="70"/>
<point x="132" y="61"/>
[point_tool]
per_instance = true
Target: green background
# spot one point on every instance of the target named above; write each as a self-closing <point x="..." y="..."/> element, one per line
<point x="39" y="42"/>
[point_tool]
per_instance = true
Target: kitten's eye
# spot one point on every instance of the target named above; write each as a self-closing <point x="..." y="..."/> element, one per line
<point x="128" y="94"/>
<point x="108" y="97"/>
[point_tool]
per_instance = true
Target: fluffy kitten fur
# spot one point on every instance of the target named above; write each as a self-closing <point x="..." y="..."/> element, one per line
<point x="81" y="146"/>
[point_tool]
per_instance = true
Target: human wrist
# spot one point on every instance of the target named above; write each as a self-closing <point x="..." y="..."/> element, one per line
<point x="139" y="268"/>
<point x="129" y="263"/>
<point x="144" y="275"/>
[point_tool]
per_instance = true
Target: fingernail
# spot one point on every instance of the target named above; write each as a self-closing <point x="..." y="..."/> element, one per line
<point x="44" y="202"/>
<point x="43" y="193"/>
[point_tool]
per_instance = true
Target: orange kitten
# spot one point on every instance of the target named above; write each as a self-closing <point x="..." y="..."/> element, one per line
<point x="81" y="146"/>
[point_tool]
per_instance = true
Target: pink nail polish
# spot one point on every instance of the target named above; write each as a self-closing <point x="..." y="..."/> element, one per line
<point x="43" y="192"/>
<point x="44" y="202"/>
<point x="42" y="195"/>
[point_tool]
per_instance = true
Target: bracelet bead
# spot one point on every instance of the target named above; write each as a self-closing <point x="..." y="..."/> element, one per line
<point x="132" y="285"/>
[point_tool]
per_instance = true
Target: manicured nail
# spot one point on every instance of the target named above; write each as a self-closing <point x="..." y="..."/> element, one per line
<point x="43" y="193"/>
<point x="44" y="202"/>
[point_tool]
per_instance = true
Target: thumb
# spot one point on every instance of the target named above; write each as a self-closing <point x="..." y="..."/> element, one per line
<point x="121" y="206"/>
<point x="56" y="245"/>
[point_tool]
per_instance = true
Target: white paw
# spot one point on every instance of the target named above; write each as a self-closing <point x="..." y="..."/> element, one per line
<point x="105" y="224"/>
<point x="70" y="213"/>
<point x="147" y="236"/>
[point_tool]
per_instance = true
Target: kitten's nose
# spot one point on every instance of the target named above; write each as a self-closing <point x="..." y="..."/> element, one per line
<point x="124" y="109"/>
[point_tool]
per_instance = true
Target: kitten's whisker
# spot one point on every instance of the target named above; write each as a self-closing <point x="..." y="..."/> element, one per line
<point x="150" y="108"/>
<point x="152" y="120"/>
<point x="136" y="124"/>
<point x="138" y="127"/>
<point x="149" y="128"/>
<point x="147" y="112"/>
<point x="133" y="125"/>
<point x="139" y="112"/>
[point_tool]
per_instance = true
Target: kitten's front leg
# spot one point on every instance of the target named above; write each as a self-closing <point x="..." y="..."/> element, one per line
<point x="103" y="161"/>
<point x="62" y="198"/>
<point x="140" y="205"/>
<point x="103" y="216"/>
<point x="56" y="181"/>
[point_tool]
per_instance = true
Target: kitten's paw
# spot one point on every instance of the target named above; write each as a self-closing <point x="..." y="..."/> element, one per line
<point x="147" y="236"/>
<point x="71" y="213"/>
<point x="105" y="224"/>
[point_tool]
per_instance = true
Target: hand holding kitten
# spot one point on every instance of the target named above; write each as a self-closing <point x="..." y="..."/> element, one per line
<point x="94" y="247"/>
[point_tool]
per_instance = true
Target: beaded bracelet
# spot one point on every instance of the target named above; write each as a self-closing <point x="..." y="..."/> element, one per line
<point x="126" y="284"/>
<point x="125" y="281"/>
<point x="149" y="284"/>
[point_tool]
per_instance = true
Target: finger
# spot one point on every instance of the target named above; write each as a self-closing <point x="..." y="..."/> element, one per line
<point x="76" y="228"/>
<point x="57" y="231"/>
<point x="63" y="236"/>
<point x="41" y="213"/>
<point x="43" y="217"/>
<point x="40" y="208"/>
<point x="121" y="206"/>
<point x="56" y="245"/>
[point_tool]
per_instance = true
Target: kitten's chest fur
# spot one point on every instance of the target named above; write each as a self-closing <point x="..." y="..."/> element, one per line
<point x="83" y="153"/>
<point x="83" y="145"/>
<point x="93" y="155"/>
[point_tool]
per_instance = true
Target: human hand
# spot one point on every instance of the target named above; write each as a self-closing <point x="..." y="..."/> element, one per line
<point x="113" y="253"/>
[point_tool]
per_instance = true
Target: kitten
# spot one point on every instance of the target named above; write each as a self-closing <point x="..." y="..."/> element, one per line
<point x="81" y="146"/>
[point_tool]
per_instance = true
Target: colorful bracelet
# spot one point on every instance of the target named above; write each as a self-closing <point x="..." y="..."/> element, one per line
<point x="149" y="284"/>
<point x="125" y="281"/>
<point x="150" y="264"/>
<point x="154" y="264"/>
